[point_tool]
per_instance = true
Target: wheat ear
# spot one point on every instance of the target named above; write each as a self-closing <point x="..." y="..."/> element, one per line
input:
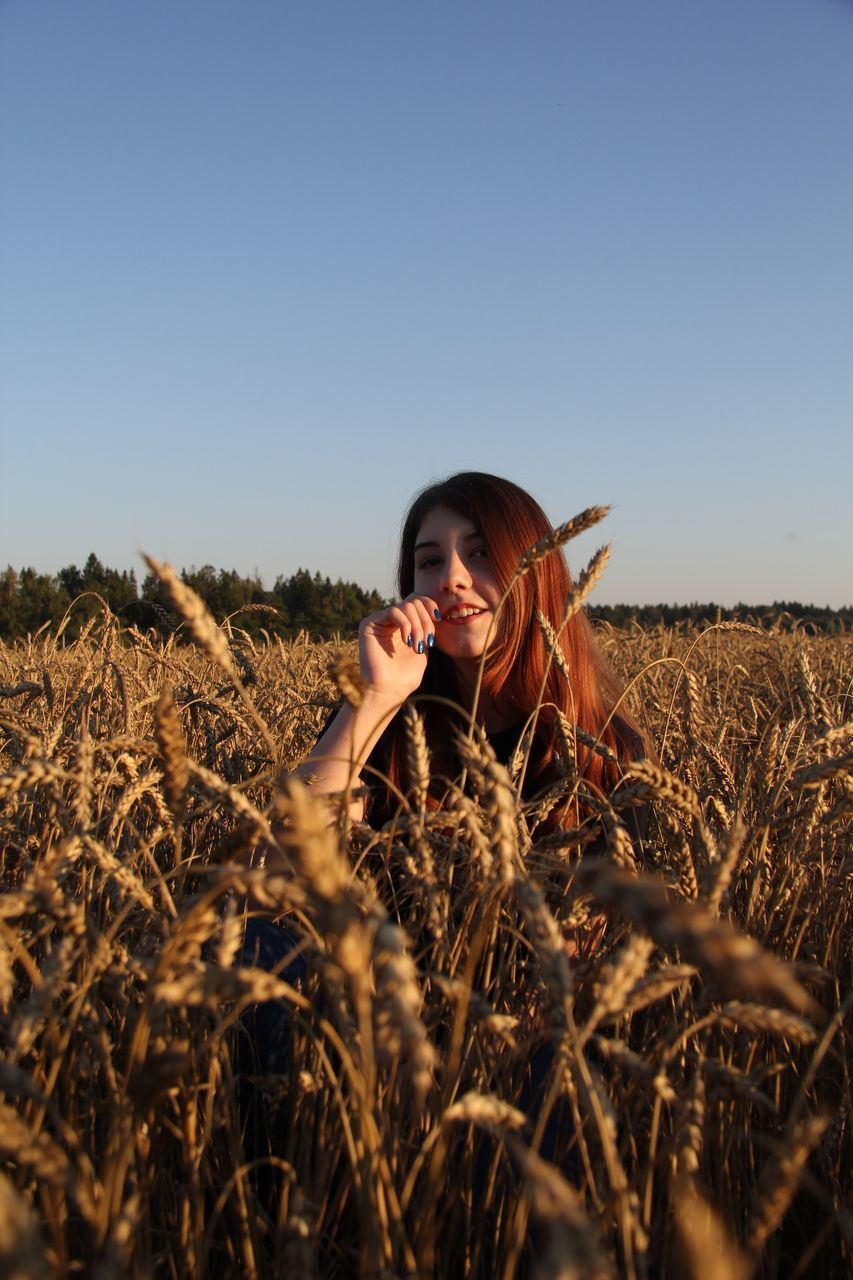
<point x="562" y="534"/>
<point x="173" y="755"/>
<point x="208" y="636"/>
<point x="780" y="1179"/>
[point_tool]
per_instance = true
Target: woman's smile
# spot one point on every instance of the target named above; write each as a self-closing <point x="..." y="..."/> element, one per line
<point x="453" y="568"/>
<point x="459" y="615"/>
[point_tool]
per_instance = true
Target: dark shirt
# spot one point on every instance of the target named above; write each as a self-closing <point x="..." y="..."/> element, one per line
<point x="380" y="806"/>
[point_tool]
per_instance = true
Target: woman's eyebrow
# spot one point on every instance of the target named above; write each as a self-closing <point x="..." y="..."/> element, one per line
<point x="467" y="537"/>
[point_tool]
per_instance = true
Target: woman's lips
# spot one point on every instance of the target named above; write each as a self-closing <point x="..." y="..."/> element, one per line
<point x="452" y="618"/>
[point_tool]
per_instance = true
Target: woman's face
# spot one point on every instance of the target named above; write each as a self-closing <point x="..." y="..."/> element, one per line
<point x="452" y="567"/>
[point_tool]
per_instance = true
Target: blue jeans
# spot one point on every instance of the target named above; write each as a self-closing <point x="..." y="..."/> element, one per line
<point x="268" y="1025"/>
<point x="266" y="1047"/>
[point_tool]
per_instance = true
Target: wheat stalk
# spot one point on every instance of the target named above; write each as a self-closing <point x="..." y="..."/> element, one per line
<point x="173" y="754"/>
<point x="417" y="755"/>
<point x="436" y="972"/>
<point x="708" y="1249"/>
<point x="347" y="676"/>
<point x="196" y="615"/>
<point x="207" y="635"/>
<point x="781" y="1177"/>
<point x="558" y="537"/>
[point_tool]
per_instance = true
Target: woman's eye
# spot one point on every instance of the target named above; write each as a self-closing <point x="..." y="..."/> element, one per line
<point x="429" y="563"/>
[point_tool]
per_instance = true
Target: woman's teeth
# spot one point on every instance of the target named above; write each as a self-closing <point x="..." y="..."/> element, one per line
<point x="455" y="614"/>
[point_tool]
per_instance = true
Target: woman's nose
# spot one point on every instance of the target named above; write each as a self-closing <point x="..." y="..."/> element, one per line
<point x="456" y="576"/>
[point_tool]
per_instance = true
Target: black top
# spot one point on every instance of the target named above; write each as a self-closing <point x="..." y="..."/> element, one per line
<point x="502" y="741"/>
<point x="380" y="806"/>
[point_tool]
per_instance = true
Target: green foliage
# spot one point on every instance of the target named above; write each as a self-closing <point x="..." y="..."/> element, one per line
<point x="779" y="616"/>
<point x="318" y="604"/>
<point x="307" y="602"/>
<point x="301" y="602"/>
<point x="117" y="589"/>
<point x="28" y="600"/>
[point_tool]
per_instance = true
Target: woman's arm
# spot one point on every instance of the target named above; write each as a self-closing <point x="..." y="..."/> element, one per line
<point x="393" y="649"/>
<point x="339" y="755"/>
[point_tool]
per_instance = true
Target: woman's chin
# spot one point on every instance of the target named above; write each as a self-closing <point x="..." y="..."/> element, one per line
<point x="461" y="649"/>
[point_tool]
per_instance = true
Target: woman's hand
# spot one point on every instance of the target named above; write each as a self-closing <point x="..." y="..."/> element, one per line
<point x="393" y="645"/>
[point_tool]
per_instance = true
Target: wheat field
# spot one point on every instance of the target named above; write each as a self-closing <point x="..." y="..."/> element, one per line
<point x="458" y="1098"/>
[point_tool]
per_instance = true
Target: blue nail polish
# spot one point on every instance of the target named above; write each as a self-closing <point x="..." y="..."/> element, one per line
<point x="430" y="640"/>
<point x="409" y="639"/>
<point x="420" y="646"/>
<point x="437" y="614"/>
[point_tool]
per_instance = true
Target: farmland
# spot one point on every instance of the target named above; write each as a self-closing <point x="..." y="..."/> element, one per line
<point x="457" y="1097"/>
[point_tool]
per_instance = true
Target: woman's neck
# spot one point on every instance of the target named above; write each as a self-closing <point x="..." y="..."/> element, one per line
<point x="492" y="714"/>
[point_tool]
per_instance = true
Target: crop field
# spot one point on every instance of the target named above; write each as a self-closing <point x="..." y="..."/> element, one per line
<point x="450" y="1094"/>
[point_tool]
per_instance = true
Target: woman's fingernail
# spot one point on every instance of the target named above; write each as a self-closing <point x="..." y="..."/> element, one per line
<point x="437" y="614"/>
<point x="409" y="639"/>
<point x="430" y="640"/>
<point x="420" y="646"/>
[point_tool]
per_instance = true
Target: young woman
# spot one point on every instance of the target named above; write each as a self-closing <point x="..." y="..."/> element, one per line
<point x="461" y="544"/>
<point x="463" y="646"/>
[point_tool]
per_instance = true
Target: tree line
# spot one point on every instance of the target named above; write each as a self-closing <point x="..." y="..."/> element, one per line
<point x="780" y="616"/>
<point x="303" y="602"/>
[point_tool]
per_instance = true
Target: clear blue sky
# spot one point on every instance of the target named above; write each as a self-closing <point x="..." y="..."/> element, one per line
<point x="268" y="266"/>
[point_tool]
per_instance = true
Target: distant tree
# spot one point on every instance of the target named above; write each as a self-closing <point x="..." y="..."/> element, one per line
<point x="322" y="607"/>
<point x="224" y="592"/>
<point x="8" y="591"/>
<point x="313" y="603"/>
<point x="298" y="595"/>
<point x="30" y="600"/>
<point x="9" y="604"/>
<point x="80" y="586"/>
<point x="781" y="615"/>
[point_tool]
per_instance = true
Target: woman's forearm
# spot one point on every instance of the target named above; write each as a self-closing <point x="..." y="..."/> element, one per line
<point x="336" y="761"/>
<point x="340" y="754"/>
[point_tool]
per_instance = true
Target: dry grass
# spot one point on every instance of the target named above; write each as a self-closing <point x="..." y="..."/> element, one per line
<point x="691" y="1111"/>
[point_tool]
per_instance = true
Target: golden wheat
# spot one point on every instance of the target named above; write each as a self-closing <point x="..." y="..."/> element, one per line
<point x="457" y="1093"/>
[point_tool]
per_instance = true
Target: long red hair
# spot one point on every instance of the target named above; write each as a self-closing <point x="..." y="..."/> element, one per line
<point x="510" y="522"/>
